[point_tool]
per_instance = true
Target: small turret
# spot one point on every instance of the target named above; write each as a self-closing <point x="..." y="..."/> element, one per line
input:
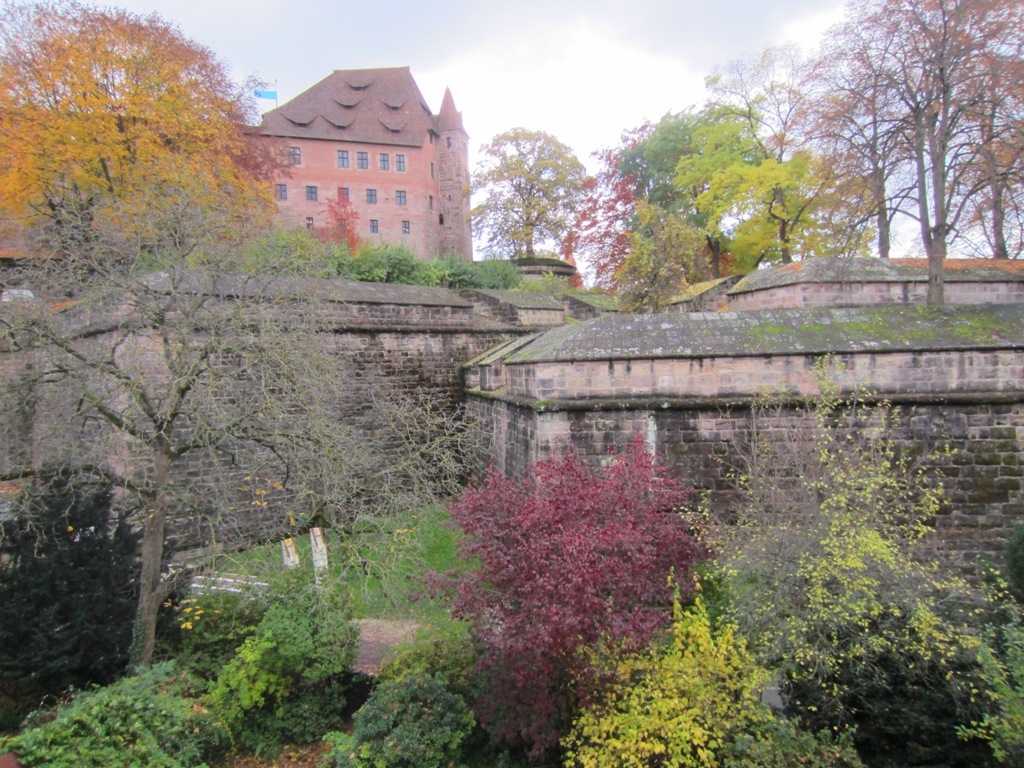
<point x="453" y="180"/>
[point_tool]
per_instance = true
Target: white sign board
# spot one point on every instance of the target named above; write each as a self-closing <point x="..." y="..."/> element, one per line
<point x="316" y="538"/>
<point x="290" y="553"/>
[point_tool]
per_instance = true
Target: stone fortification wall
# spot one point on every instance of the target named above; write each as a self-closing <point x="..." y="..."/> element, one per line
<point x="872" y="282"/>
<point x="871" y="294"/>
<point x="687" y="384"/>
<point x="388" y="340"/>
<point x="527" y="309"/>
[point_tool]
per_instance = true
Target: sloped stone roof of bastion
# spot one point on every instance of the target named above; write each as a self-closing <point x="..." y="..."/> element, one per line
<point x="866" y="270"/>
<point x="890" y="328"/>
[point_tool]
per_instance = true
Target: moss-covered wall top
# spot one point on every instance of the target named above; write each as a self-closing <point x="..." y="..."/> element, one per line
<point x="892" y="328"/>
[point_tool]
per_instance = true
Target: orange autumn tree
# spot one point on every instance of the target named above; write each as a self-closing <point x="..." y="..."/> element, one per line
<point x="98" y="105"/>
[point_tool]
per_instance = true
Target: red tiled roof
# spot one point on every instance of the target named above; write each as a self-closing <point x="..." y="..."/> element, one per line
<point x="370" y="106"/>
<point x="1006" y="265"/>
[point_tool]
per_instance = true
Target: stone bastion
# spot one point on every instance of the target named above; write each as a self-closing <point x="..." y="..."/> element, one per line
<point x="686" y="383"/>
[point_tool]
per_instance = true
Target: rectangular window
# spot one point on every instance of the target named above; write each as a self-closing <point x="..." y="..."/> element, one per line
<point x="343" y="158"/>
<point x="311" y="194"/>
<point x="309" y="222"/>
<point x="405" y="228"/>
<point x="280" y="191"/>
<point x="295" y="155"/>
<point x="431" y="170"/>
<point x="371" y="196"/>
<point x="363" y="160"/>
<point x="400" y="197"/>
<point x="400" y="163"/>
<point x="385" y="161"/>
<point x="374" y="229"/>
<point x="343" y="193"/>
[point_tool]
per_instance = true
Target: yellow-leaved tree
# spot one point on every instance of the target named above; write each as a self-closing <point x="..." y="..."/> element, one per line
<point x="99" y="105"/>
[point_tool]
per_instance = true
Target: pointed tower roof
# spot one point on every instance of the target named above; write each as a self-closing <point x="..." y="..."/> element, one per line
<point x="449" y="118"/>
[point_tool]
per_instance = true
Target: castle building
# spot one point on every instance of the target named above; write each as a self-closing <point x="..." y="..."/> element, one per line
<point x="369" y="136"/>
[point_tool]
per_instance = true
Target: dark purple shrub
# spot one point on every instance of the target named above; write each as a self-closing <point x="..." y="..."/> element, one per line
<point x="568" y="556"/>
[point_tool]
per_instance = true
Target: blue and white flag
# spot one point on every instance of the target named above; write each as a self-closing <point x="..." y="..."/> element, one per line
<point x="266" y="95"/>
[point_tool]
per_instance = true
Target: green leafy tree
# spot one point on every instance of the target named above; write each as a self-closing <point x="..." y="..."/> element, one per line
<point x="413" y="722"/>
<point x="828" y="586"/>
<point x="530" y="182"/>
<point x="666" y="254"/>
<point x="773" y="191"/>
<point x="147" y="720"/>
<point x="286" y="681"/>
<point x="678" y="704"/>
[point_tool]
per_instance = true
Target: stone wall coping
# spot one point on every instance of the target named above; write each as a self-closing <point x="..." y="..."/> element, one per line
<point x="558" y="405"/>
<point x="519" y="299"/>
<point x="495" y="355"/>
<point x="605" y="302"/>
<point x="868" y="270"/>
<point x="889" y="328"/>
<point x="322" y="289"/>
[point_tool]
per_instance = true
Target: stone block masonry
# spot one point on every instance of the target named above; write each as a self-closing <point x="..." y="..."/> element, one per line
<point x="388" y="341"/>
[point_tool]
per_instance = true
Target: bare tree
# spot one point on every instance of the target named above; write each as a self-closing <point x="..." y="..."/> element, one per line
<point x="929" y="89"/>
<point x="855" y="121"/>
<point x="215" y="403"/>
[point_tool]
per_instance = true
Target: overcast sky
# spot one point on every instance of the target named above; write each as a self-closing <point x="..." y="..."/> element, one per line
<point x="582" y="70"/>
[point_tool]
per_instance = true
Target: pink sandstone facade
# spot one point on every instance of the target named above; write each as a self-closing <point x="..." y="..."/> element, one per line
<point x="369" y="135"/>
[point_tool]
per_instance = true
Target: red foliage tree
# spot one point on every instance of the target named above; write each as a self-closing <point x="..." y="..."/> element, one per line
<point x="343" y="226"/>
<point x="604" y="218"/>
<point x="568" y="556"/>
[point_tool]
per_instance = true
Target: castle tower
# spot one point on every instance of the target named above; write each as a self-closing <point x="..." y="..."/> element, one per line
<point x="453" y="180"/>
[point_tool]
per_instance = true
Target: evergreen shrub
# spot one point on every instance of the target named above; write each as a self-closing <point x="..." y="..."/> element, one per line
<point x="415" y="722"/>
<point x="144" y="721"/>
<point x="68" y="580"/>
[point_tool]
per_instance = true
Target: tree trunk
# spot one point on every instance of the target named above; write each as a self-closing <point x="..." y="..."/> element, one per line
<point x="715" y="248"/>
<point x="787" y="254"/>
<point x="884" y="226"/>
<point x="999" y="247"/>
<point x="936" y="251"/>
<point x="934" y="246"/>
<point x="150" y="592"/>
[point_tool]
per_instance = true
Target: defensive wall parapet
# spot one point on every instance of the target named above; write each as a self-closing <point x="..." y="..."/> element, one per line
<point x="872" y="282"/>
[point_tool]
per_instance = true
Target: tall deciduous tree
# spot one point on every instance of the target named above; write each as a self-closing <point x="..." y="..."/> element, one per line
<point x="96" y="102"/>
<point x="531" y="181"/>
<point x="942" y="78"/>
<point x="858" y="126"/>
<point x="666" y="254"/>
<point x="605" y="215"/>
<point x="773" y="199"/>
